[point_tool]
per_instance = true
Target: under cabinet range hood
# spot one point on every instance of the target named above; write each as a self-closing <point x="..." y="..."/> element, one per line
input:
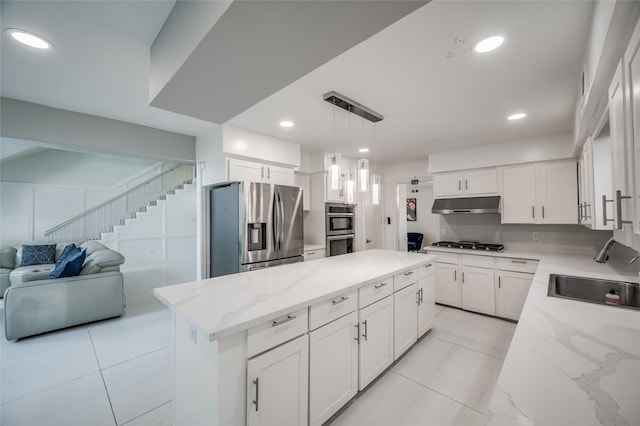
<point x="466" y="205"/>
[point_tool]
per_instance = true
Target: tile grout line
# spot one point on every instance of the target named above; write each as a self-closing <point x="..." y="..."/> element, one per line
<point x="135" y="357"/>
<point x="145" y="413"/>
<point x="468" y="348"/>
<point x="113" y="413"/>
<point x="435" y="391"/>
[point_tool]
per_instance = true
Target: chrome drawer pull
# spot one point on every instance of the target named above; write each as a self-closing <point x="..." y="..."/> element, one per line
<point x="342" y="299"/>
<point x="379" y="285"/>
<point x="406" y="274"/>
<point x="277" y="322"/>
<point x="257" y="383"/>
<point x="357" y="338"/>
<point x="519" y="261"/>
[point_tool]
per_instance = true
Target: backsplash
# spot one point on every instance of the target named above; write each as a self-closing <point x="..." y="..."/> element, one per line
<point x="487" y="228"/>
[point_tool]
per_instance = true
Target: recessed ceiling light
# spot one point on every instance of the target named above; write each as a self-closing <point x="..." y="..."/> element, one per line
<point x="487" y="44"/>
<point x="30" y="39"/>
<point x="517" y="116"/>
<point x="363" y="150"/>
<point x="286" y="124"/>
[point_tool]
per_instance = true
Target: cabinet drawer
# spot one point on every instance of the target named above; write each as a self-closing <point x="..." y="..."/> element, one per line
<point x="276" y="331"/>
<point x="404" y="279"/>
<point x="314" y="254"/>
<point x="374" y="292"/>
<point x="425" y="270"/>
<point x="517" y="265"/>
<point x="329" y="310"/>
<point x="478" y="261"/>
<point x="446" y="257"/>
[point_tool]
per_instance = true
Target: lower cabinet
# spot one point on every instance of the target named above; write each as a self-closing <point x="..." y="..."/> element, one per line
<point x="426" y="303"/>
<point x="376" y="340"/>
<point x="333" y="367"/>
<point x="447" y="286"/>
<point x="278" y="384"/>
<point x="405" y="319"/>
<point x="478" y="293"/>
<point x="511" y="293"/>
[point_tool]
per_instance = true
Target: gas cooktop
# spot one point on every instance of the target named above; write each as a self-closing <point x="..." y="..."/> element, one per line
<point x="470" y="245"/>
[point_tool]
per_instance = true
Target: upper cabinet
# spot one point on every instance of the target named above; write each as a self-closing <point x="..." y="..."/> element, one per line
<point x="595" y="183"/>
<point x="472" y="182"/>
<point x="251" y="171"/>
<point x="545" y="193"/>
<point x="631" y="75"/>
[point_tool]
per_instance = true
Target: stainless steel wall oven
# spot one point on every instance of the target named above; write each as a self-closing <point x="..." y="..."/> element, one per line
<point x="340" y="228"/>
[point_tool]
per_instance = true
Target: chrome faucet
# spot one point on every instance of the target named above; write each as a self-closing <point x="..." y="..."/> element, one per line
<point x="603" y="254"/>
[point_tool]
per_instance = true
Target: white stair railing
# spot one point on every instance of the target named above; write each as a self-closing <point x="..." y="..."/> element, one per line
<point x="102" y="218"/>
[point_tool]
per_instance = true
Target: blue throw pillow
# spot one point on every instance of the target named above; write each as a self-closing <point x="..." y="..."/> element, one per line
<point x="62" y="260"/>
<point x="71" y="265"/>
<point x="66" y="251"/>
<point x="38" y="255"/>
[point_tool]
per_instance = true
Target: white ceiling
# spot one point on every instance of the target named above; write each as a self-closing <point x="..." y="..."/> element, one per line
<point x="419" y="73"/>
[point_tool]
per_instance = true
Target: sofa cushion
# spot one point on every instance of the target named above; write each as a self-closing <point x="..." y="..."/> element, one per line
<point x="38" y="254"/>
<point x="101" y="259"/>
<point x="8" y="257"/>
<point x="23" y="274"/>
<point x="4" y="280"/>
<point x="92" y="246"/>
<point x="70" y="264"/>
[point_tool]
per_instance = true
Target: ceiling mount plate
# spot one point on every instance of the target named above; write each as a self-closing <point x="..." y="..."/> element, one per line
<point x="352" y="106"/>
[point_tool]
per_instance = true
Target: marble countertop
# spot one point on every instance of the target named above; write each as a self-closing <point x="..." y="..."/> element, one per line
<point x="570" y="362"/>
<point x="224" y="305"/>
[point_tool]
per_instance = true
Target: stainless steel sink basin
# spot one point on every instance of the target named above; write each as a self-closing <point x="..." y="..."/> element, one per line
<point x="594" y="290"/>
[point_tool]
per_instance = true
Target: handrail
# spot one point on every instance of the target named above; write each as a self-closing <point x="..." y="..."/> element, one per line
<point x="181" y="173"/>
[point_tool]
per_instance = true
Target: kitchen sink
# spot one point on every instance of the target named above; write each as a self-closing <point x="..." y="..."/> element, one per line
<point x="594" y="290"/>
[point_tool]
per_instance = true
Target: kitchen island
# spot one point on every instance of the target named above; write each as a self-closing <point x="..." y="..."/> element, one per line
<point x="222" y="325"/>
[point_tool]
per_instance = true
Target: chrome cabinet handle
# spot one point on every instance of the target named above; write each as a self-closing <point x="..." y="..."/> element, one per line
<point x="518" y="261"/>
<point x="421" y="299"/>
<point x="604" y="210"/>
<point x="342" y="299"/>
<point x="418" y="297"/>
<point x="379" y="285"/>
<point x="268" y="172"/>
<point x="619" y="222"/>
<point x="406" y="274"/>
<point x="357" y="338"/>
<point x="459" y="185"/>
<point x="257" y="383"/>
<point x="261" y="172"/>
<point x="543" y="212"/>
<point x="310" y="253"/>
<point x="499" y="283"/>
<point x="533" y="211"/>
<point x="466" y="184"/>
<point x="277" y="322"/>
<point x="455" y="275"/>
<point x="365" y="329"/>
<point x="463" y="278"/>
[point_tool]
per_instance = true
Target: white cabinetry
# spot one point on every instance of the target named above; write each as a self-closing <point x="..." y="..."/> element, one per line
<point x="376" y="340"/>
<point x="277" y="385"/>
<point x="447" y="288"/>
<point x="514" y="277"/>
<point x="477" y="284"/>
<point x="426" y="299"/>
<point x="405" y="319"/>
<point x="303" y="180"/>
<point x="472" y="182"/>
<point x="595" y="183"/>
<point x="314" y="254"/>
<point x="544" y="193"/>
<point x="632" y="146"/>
<point x="250" y="171"/>
<point x="333" y="367"/>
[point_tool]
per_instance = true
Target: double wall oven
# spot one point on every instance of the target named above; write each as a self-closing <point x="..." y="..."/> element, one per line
<point x="340" y="228"/>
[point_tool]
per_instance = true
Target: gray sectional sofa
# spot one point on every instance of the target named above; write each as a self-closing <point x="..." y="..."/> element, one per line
<point x="35" y="304"/>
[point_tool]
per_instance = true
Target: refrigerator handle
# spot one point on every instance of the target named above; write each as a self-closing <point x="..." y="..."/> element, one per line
<point x="278" y="220"/>
<point x="274" y="224"/>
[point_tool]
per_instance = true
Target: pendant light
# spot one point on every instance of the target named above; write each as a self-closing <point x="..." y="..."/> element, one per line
<point x="350" y="183"/>
<point x="375" y="178"/>
<point x="333" y="159"/>
<point x="363" y="170"/>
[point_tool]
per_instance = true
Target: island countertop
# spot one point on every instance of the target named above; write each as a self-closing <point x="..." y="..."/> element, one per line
<point x="224" y="305"/>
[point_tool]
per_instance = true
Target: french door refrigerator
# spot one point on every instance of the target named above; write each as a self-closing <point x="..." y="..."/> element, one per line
<point x="254" y="225"/>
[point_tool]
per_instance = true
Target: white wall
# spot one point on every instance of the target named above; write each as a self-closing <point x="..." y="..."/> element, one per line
<point x="553" y="147"/>
<point x="244" y="143"/>
<point x="66" y="129"/>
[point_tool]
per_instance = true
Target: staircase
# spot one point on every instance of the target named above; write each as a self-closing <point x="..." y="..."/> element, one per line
<point x="91" y="224"/>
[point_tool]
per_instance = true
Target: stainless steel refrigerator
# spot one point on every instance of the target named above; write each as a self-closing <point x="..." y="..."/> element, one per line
<point x="253" y="226"/>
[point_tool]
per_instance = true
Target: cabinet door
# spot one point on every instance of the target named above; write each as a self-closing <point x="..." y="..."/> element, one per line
<point x="518" y="195"/>
<point x="280" y="175"/>
<point x="426" y="304"/>
<point x="446" y="282"/>
<point x="447" y="185"/>
<point x="376" y="340"/>
<point x="557" y="193"/>
<point x="405" y="319"/>
<point x="333" y="367"/>
<point x="248" y="171"/>
<point x="277" y="385"/>
<point x="304" y="182"/>
<point x="619" y="137"/>
<point x="632" y="68"/>
<point x="512" y="291"/>
<point x="478" y="293"/>
<point x="481" y="182"/>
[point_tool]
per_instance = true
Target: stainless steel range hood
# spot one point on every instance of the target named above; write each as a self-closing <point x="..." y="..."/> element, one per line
<point x="466" y="205"/>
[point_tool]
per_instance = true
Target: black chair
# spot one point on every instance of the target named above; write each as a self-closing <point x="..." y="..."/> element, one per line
<point x="414" y="241"/>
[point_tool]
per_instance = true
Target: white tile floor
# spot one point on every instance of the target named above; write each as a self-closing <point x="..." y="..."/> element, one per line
<point x="117" y="372"/>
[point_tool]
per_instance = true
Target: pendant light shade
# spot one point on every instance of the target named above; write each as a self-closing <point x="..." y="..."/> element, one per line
<point x="332" y="165"/>
<point x="363" y="175"/>
<point x="375" y="190"/>
<point x="350" y="187"/>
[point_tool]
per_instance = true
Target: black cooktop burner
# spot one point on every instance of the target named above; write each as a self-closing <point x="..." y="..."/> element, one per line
<point x="470" y="245"/>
